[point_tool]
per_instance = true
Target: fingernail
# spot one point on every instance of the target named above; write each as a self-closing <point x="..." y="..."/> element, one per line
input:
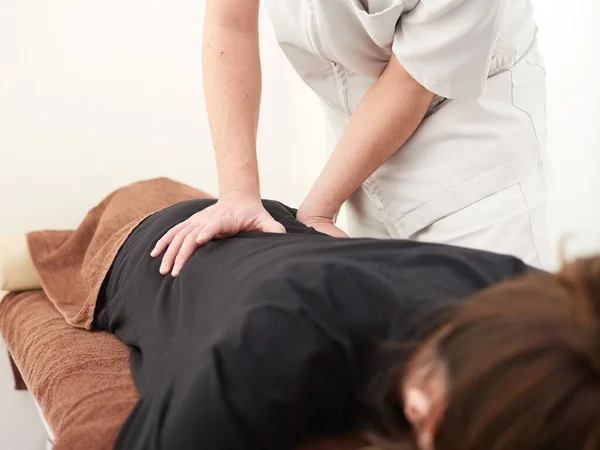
<point x="175" y="271"/>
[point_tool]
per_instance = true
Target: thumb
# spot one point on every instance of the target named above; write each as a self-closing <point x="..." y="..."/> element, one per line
<point x="269" y="225"/>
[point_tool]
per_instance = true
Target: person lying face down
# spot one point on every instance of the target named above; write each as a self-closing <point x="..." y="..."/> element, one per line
<point x="265" y="340"/>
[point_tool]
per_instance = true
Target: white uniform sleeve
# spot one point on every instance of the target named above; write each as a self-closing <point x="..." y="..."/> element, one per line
<point x="447" y="45"/>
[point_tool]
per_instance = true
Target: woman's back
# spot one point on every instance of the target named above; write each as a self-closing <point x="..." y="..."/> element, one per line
<point x="266" y="327"/>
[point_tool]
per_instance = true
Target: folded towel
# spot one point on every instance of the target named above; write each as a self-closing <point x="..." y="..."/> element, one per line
<point x="71" y="264"/>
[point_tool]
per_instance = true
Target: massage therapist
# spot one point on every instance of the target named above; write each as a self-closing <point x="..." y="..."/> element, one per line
<point x="438" y="113"/>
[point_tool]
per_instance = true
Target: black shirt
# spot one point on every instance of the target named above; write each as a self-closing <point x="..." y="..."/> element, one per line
<point x="266" y="339"/>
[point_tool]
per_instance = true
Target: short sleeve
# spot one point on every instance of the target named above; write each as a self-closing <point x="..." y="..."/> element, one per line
<point x="447" y="45"/>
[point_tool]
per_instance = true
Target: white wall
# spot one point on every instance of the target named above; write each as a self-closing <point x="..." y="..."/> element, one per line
<point x="570" y="39"/>
<point x="97" y="94"/>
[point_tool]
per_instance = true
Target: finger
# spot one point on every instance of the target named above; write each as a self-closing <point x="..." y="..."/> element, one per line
<point x="209" y="232"/>
<point x="164" y="241"/>
<point x="271" y="226"/>
<point x="186" y="250"/>
<point x="169" y="258"/>
<point x="341" y="234"/>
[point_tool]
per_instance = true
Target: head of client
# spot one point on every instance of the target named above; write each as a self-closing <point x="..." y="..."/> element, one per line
<point x="517" y="367"/>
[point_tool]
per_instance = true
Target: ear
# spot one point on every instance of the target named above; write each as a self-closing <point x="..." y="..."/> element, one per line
<point x="417" y="405"/>
<point x="424" y="411"/>
<point x="425" y="403"/>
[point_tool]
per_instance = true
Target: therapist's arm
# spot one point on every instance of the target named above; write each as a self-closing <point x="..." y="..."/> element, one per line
<point x="385" y="119"/>
<point x="232" y="88"/>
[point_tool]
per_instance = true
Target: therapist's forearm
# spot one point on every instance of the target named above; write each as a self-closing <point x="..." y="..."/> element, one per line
<point x="387" y="116"/>
<point x="232" y="87"/>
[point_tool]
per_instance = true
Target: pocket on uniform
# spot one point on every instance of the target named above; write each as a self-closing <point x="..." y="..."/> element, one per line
<point x="380" y="17"/>
<point x="375" y="7"/>
<point x="528" y="78"/>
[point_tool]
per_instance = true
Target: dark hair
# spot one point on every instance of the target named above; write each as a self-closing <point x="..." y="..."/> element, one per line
<point x="523" y="362"/>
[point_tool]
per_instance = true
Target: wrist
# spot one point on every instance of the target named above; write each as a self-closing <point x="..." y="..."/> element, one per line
<point x="309" y="210"/>
<point x="248" y="188"/>
<point x="238" y="173"/>
<point x="247" y="195"/>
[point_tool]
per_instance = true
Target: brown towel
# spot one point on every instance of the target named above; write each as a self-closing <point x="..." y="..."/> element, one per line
<point x="72" y="264"/>
<point x="80" y="379"/>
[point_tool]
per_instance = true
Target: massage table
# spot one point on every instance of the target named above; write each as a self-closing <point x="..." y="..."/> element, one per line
<point x="80" y="380"/>
<point x="19" y="385"/>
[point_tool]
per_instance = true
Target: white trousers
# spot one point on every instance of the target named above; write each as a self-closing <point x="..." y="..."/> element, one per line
<point x="512" y="221"/>
<point x="472" y="175"/>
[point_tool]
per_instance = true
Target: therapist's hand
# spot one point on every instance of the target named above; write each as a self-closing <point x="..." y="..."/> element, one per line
<point x="322" y="224"/>
<point x="232" y="214"/>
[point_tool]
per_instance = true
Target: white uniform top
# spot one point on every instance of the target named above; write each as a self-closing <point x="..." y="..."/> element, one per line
<point x="479" y="54"/>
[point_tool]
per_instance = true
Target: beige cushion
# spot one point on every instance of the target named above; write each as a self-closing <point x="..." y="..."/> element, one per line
<point x="17" y="272"/>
